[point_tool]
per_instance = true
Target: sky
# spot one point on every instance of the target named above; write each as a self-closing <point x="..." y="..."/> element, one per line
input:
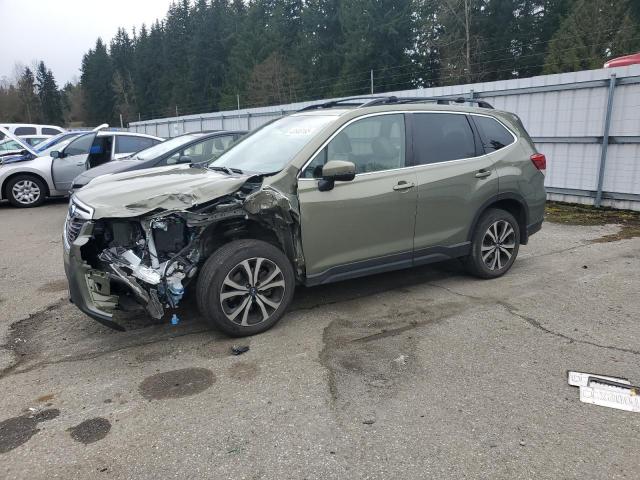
<point x="59" y="32"/>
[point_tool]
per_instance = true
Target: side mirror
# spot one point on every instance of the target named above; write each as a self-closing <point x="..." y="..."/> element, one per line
<point x="184" y="159"/>
<point x="56" y="154"/>
<point x="336" y="171"/>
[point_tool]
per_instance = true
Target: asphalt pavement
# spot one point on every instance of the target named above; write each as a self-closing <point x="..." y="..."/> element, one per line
<point x="423" y="373"/>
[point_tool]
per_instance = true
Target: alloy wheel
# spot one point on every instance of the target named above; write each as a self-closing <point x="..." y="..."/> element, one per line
<point x="26" y="192"/>
<point x="252" y="291"/>
<point x="498" y="244"/>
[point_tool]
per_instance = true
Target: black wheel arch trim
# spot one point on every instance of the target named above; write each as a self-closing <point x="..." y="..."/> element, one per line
<point x="522" y="223"/>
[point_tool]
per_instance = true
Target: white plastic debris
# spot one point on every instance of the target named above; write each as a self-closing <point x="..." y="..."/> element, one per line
<point x="401" y="360"/>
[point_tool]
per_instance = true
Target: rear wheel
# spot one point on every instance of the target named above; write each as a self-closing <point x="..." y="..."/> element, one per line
<point x="495" y="244"/>
<point x="245" y="287"/>
<point x="26" y="191"/>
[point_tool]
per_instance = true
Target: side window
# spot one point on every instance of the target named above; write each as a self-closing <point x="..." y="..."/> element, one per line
<point x="494" y="135"/>
<point x="440" y="137"/>
<point x="25" y="131"/>
<point x="50" y="131"/>
<point x="373" y="144"/>
<point x="127" y="144"/>
<point x="80" y="146"/>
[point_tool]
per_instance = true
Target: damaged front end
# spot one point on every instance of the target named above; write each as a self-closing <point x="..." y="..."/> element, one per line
<point x="151" y="260"/>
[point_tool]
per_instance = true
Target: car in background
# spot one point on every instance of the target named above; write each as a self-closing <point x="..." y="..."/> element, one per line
<point x="194" y="148"/>
<point x="11" y="147"/>
<point x="20" y="129"/>
<point x="623" y="61"/>
<point x="43" y="148"/>
<point x="28" y="179"/>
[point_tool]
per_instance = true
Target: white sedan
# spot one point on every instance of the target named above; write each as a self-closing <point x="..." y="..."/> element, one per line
<point x="27" y="179"/>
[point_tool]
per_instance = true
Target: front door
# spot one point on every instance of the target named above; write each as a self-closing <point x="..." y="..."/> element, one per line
<point x="366" y="225"/>
<point x="72" y="161"/>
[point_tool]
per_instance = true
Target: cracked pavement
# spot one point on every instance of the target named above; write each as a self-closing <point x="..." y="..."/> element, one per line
<point x="422" y="373"/>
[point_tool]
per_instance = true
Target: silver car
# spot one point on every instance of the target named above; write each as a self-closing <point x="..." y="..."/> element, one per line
<point x="27" y="179"/>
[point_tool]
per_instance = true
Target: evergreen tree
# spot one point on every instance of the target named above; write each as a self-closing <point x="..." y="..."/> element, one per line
<point x="28" y="97"/>
<point x="96" y="81"/>
<point x="319" y="57"/>
<point x="175" y="84"/>
<point x="593" y="32"/>
<point x="122" y="59"/>
<point x="48" y="95"/>
<point x="377" y="35"/>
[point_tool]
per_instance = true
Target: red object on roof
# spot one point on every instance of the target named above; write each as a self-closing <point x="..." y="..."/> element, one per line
<point x="623" y="61"/>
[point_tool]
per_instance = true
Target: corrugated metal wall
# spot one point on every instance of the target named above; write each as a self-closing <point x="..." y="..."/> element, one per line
<point x="564" y="113"/>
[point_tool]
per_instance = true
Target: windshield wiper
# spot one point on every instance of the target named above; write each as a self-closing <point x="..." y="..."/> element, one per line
<point x="227" y="170"/>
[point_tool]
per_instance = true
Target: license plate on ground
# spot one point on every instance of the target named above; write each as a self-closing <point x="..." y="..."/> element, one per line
<point x="579" y="379"/>
<point x="621" y="397"/>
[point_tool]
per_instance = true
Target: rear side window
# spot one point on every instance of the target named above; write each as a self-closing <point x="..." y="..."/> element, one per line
<point x="50" y="131"/>
<point x="127" y="144"/>
<point x="440" y="137"/>
<point x="494" y="135"/>
<point x="25" y="131"/>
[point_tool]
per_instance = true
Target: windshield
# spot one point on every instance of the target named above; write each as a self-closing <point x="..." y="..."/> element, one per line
<point x="164" y="147"/>
<point x="273" y="146"/>
<point x="9" y="145"/>
<point x="50" y="142"/>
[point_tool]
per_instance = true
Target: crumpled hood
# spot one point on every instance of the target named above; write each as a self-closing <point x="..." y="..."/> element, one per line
<point x="138" y="192"/>
<point x="115" y="166"/>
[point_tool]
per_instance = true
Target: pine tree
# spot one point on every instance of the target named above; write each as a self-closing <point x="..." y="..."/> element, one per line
<point x="48" y="95"/>
<point x="319" y="57"/>
<point x="378" y="36"/>
<point x="593" y="32"/>
<point x="96" y="81"/>
<point x="122" y="53"/>
<point x="28" y="97"/>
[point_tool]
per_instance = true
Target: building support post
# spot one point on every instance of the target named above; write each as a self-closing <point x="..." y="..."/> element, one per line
<point x="605" y="139"/>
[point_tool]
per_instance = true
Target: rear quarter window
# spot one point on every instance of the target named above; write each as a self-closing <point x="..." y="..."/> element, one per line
<point x="25" y="131"/>
<point x="494" y="135"/>
<point x="50" y="131"/>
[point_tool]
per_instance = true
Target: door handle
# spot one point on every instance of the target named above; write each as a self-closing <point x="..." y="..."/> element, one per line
<point x="402" y="185"/>
<point x="79" y="164"/>
<point x="483" y="173"/>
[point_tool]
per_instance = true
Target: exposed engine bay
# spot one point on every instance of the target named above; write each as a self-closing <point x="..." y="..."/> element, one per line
<point x="152" y="259"/>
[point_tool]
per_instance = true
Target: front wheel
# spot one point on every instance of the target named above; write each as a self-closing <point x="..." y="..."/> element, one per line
<point x="495" y="244"/>
<point x="245" y="287"/>
<point x="26" y="191"/>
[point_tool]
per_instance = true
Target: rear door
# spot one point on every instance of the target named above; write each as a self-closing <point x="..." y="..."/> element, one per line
<point x="455" y="178"/>
<point x="73" y="161"/>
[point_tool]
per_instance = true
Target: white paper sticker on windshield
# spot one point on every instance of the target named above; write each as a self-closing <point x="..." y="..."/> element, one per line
<point x="300" y="131"/>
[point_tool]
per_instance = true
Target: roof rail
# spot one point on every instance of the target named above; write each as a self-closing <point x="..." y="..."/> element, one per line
<point x="350" y="101"/>
<point x="369" y="101"/>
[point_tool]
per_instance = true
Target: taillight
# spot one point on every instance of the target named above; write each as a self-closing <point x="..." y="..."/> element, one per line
<point x="539" y="161"/>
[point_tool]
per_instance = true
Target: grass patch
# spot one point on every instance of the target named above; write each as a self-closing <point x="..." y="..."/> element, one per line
<point x="574" y="214"/>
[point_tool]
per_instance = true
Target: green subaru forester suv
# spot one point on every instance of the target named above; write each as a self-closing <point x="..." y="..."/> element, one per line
<point x="335" y="191"/>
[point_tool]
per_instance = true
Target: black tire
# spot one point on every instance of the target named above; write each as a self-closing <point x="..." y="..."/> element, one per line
<point x="482" y="242"/>
<point x="228" y="261"/>
<point x="26" y="180"/>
